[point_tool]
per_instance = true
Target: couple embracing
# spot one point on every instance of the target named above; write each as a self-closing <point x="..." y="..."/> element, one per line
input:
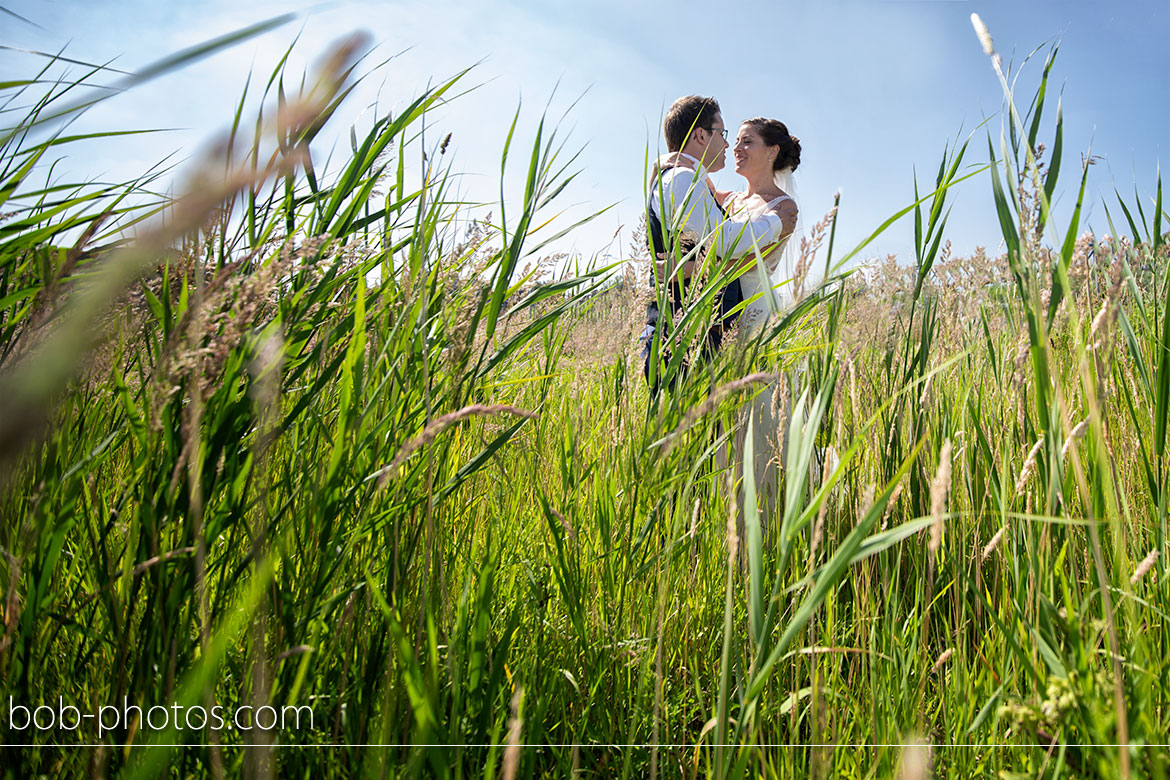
<point x="696" y="230"/>
<point x="693" y="227"/>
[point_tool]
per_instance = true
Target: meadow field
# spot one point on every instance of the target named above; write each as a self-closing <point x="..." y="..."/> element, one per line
<point x="322" y="436"/>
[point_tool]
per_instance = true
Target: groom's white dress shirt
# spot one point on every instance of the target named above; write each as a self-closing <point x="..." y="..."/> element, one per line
<point x="691" y="207"/>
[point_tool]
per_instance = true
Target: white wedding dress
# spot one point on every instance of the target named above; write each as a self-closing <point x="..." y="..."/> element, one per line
<point x="771" y="287"/>
<point x="771" y="284"/>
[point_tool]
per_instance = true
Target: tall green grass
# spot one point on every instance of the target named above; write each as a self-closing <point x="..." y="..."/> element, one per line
<point x="305" y="440"/>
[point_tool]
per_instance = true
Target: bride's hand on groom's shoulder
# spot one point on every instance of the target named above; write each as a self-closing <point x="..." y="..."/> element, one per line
<point x="670" y="160"/>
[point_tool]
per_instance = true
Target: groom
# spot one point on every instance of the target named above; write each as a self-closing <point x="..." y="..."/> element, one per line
<point x="682" y="206"/>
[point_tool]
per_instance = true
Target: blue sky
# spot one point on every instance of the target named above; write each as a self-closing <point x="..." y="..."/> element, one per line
<point x="875" y="90"/>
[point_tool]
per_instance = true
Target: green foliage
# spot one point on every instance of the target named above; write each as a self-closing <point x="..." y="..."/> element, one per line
<point x="307" y="442"/>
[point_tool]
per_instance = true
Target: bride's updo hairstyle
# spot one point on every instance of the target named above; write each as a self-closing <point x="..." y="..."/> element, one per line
<point x="773" y="132"/>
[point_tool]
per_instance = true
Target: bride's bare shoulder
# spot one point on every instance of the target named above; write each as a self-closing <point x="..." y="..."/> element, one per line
<point x="786" y="209"/>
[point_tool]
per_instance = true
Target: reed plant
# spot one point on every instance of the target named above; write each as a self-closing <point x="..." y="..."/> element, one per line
<point x="324" y="436"/>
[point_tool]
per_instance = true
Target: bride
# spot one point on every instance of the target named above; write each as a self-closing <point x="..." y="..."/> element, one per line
<point x="766" y="156"/>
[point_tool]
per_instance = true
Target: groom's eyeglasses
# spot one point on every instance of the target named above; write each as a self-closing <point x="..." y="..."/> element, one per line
<point x="721" y="130"/>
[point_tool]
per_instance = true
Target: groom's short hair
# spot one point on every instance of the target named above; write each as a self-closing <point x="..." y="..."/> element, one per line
<point x="684" y="116"/>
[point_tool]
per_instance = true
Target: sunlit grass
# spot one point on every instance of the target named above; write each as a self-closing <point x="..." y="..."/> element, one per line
<point x="301" y="440"/>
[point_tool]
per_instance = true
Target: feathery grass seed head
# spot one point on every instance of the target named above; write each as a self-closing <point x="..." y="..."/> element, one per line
<point x="1076" y="433"/>
<point x="991" y="546"/>
<point x="984" y="34"/>
<point x="940" y="486"/>
<point x="1144" y="567"/>
<point x="942" y="659"/>
<point x="1029" y="466"/>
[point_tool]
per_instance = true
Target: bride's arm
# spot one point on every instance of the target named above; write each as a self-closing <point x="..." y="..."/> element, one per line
<point x="719" y="195"/>
<point x="668" y="160"/>
<point x="787" y="212"/>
